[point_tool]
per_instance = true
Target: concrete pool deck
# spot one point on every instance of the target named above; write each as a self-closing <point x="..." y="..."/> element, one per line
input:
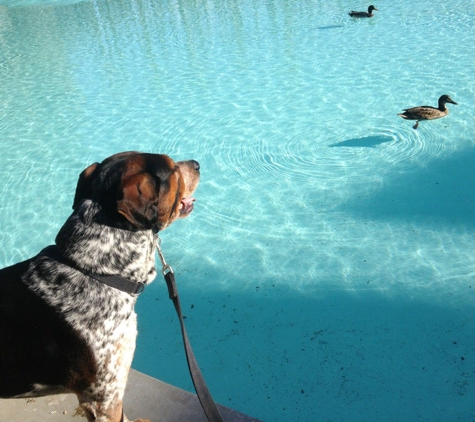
<point x="145" y="397"/>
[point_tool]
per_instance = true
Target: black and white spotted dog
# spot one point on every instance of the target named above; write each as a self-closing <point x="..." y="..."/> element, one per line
<point x="63" y="328"/>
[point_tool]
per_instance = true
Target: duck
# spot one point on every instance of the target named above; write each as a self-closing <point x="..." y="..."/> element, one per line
<point x="428" y="112"/>
<point x="368" y="14"/>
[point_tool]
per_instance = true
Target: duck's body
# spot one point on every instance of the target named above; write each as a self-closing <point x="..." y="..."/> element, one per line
<point x="368" y="14"/>
<point x="428" y="112"/>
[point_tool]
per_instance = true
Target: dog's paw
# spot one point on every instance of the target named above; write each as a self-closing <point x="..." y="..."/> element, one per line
<point x="125" y="419"/>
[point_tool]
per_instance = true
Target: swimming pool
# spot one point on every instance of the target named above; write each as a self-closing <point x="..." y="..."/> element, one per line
<point x="327" y="272"/>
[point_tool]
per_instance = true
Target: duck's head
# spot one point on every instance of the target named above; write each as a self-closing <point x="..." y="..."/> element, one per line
<point x="371" y="8"/>
<point x="446" y="99"/>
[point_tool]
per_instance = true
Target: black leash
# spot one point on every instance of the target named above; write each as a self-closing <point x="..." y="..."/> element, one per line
<point x="204" y="396"/>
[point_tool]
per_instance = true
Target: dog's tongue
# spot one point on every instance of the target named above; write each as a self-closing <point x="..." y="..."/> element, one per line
<point x="187" y="205"/>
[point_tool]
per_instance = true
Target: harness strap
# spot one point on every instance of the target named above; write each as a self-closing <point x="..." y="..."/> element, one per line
<point x="116" y="281"/>
<point x="120" y="283"/>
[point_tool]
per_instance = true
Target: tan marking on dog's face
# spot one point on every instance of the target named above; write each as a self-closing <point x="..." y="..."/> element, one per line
<point x="177" y="201"/>
<point x="190" y="175"/>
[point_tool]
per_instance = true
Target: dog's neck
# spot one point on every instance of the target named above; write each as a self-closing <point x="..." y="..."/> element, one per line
<point x="96" y="248"/>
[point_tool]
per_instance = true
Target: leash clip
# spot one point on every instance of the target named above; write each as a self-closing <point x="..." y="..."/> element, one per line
<point x="166" y="269"/>
<point x="167" y="272"/>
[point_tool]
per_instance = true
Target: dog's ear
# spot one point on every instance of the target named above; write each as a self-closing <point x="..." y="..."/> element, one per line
<point x="84" y="186"/>
<point x="139" y="204"/>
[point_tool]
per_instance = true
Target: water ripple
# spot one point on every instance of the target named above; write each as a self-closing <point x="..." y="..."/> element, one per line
<point x="330" y="154"/>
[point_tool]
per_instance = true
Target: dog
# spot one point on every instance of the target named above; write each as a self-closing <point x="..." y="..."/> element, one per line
<point x="64" y="326"/>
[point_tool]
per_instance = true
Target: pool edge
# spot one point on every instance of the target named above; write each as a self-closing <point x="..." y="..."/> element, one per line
<point x="145" y="397"/>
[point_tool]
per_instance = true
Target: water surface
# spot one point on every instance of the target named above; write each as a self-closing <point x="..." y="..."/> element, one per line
<point x="327" y="272"/>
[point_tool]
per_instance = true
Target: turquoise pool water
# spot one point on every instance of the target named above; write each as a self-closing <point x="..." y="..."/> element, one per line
<point x="328" y="270"/>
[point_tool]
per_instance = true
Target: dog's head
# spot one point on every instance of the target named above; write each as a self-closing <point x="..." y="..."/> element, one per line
<point x="140" y="191"/>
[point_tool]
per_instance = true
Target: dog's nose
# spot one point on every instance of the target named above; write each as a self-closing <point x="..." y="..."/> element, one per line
<point x="196" y="165"/>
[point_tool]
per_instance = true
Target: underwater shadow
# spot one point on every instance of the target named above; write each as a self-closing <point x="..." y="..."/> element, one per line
<point x="365" y="142"/>
<point x="442" y="191"/>
<point x="330" y="27"/>
<point x="338" y="336"/>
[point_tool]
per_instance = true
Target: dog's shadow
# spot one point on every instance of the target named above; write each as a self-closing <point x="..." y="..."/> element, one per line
<point x="366" y="141"/>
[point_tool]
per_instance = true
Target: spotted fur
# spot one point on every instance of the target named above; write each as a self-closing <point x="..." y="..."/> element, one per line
<point x="62" y="330"/>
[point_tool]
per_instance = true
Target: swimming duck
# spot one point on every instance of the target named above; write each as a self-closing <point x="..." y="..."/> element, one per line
<point x="428" y="112"/>
<point x="368" y="14"/>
